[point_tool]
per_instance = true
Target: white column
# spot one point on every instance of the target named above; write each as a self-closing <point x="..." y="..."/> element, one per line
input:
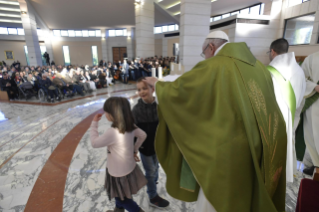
<point x="194" y="27"/>
<point x="144" y="20"/>
<point x="164" y="47"/>
<point x="104" y="45"/>
<point x="31" y="36"/>
<point x="130" y="43"/>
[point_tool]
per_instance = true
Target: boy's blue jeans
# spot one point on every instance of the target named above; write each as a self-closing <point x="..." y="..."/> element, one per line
<point x="127" y="204"/>
<point x="150" y="164"/>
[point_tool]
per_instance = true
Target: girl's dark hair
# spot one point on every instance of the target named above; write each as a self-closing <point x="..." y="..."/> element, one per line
<point x="119" y="108"/>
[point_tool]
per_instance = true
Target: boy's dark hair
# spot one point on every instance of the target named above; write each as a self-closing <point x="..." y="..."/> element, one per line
<point x="280" y="46"/>
<point x="120" y="110"/>
<point x="140" y="79"/>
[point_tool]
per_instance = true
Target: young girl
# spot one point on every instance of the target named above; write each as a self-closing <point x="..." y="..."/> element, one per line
<point x="123" y="176"/>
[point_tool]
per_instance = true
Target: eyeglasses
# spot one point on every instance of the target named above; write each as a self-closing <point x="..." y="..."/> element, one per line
<point x="268" y="52"/>
<point x="203" y="53"/>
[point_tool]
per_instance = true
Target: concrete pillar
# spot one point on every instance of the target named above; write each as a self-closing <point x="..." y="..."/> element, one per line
<point x="31" y="37"/>
<point x="164" y="47"/>
<point x="194" y="27"/>
<point x="130" y="43"/>
<point x="104" y="45"/>
<point x="144" y="22"/>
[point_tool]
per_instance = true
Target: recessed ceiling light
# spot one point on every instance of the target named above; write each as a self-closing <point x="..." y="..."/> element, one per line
<point x="177" y="13"/>
<point x="10" y="15"/>
<point x="23" y="12"/>
<point x="9" y="9"/>
<point x="9" y="21"/>
<point x="9" y="2"/>
<point x="173" y="5"/>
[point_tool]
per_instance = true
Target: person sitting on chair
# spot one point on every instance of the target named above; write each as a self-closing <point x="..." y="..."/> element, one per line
<point x="6" y="85"/>
<point x="47" y="85"/>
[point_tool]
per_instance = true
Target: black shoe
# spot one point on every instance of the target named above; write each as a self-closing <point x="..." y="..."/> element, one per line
<point x="159" y="202"/>
<point x="52" y="100"/>
<point x="309" y="170"/>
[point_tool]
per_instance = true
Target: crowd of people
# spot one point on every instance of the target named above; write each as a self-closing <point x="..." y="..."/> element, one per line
<point x="71" y="80"/>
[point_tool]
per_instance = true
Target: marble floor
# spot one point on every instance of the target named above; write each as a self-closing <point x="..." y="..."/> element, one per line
<point x="30" y="136"/>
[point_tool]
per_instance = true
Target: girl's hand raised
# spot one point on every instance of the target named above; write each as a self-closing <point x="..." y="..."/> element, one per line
<point x="137" y="159"/>
<point x="97" y="117"/>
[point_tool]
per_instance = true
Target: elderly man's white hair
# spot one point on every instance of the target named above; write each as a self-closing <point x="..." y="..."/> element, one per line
<point x="214" y="41"/>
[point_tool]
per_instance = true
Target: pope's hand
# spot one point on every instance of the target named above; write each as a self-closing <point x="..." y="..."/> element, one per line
<point x="151" y="81"/>
<point x="97" y="117"/>
<point x="317" y="88"/>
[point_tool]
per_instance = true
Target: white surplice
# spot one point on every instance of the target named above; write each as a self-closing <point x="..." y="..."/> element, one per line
<point x="287" y="66"/>
<point x="311" y="116"/>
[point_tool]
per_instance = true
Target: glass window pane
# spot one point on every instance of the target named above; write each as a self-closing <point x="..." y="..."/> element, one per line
<point x="39" y="31"/>
<point x="78" y="33"/>
<point x="119" y="32"/>
<point x="12" y="31"/>
<point x="57" y="33"/>
<point x="294" y="2"/>
<point x="176" y="27"/>
<point x="171" y="27"/>
<point x="217" y="18"/>
<point x="21" y="32"/>
<point x="164" y="29"/>
<point x="43" y="49"/>
<point x="262" y="9"/>
<point x="98" y="33"/>
<point x="26" y="54"/>
<point x="255" y="10"/>
<point x="235" y="13"/>
<point x="125" y="32"/>
<point x="111" y="33"/>
<point x="299" y="30"/>
<point x="92" y="33"/>
<point x="244" y="11"/>
<point x="71" y="33"/>
<point x="85" y="33"/>
<point x="95" y="56"/>
<point x="225" y="15"/>
<point x="64" y="33"/>
<point x="3" y="30"/>
<point x="158" y="30"/>
<point x="66" y="54"/>
<point x="211" y="19"/>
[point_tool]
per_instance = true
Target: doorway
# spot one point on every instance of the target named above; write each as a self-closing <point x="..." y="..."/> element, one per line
<point x="119" y="53"/>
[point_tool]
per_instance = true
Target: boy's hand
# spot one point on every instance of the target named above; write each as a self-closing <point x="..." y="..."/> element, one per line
<point x="150" y="80"/>
<point x="97" y="117"/>
<point x="137" y="159"/>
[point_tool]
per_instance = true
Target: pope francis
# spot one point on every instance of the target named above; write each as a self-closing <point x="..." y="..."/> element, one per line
<point x="221" y="138"/>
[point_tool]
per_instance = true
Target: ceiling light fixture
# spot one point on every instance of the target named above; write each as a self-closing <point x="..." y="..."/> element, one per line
<point x="23" y="12"/>
<point x="214" y="0"/>
<point x="10" y="9"/>
<point x="9" y="21"/>
<point x="177" y="13"/>
<point x="9" y="15"/>
<point x="137" y="2"/>
<point x="173" y="5"/>
<point x="9" y="2"/>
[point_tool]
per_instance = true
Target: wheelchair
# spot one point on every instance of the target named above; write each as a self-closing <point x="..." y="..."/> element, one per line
<point x="25" y="91"/>
<point x="44" y="96"/>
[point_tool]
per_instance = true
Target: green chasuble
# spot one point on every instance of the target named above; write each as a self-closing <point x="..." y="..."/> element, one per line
<point x="222" y="119"/>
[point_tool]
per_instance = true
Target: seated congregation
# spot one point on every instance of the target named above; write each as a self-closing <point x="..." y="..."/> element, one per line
<point x="53" y="83"/>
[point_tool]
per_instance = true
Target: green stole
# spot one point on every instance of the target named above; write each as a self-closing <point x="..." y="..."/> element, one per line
<point x="287" y="91"/>
<point x="300" y="140"/>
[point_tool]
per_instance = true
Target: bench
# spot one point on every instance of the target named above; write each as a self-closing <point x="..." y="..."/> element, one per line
<point x="4" y="96"/>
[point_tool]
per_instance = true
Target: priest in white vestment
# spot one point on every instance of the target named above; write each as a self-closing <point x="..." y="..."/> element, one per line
<point x="311" y="116"/>
<point x="285" y="63"/>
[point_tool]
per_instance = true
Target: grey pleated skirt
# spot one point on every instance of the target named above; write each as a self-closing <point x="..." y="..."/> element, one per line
<point x="124" y="187"/>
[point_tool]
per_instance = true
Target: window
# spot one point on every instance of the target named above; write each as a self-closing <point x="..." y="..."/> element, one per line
<point x="244" y="11"/>
<point x="39" y="31"/>
<point x="171" y="27"/>
<point x="26" y="55"/>
<point x="78" y="33"/>
<point x="235" y="13"/>
<point x="85" y="33"/>
<point x="3" y="30"/>
<point x="95" y="57"/>
<point x="217" y="18"/>
<point x="98" y="33"/>
<point x="125" y="32"/>
<point x="92" y="33"/>
<point x="66" y="54"/>
<point x="225" y="15"/>
<point x="158" y="30"/>
<point x="262" y="9"/>
<point x="57" y="33"/>
<point x="43" y="49"/>
<point x="255" y="10"/>
<point x="112" y="33"/>
<point x="64" y="33"/>
<point x="12" y="31"/>
<point x="20" y="31"/>
<point x="211" y="19"/>
<point x="71" y="33"/>
<point x="119" y="32"/>
<point x="176" y="27"/>
<point x="299" y="30"/>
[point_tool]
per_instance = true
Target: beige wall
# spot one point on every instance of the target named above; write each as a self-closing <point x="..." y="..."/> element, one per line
<point x="170" y="44"/>
<point x="80" y="51"/>
<point x="18" y="51"/>
<point x="158" y="47"/>
<point x="304" y="50"/>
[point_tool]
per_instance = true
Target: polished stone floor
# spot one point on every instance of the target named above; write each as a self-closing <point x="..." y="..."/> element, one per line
<point x="29" y="134"/>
